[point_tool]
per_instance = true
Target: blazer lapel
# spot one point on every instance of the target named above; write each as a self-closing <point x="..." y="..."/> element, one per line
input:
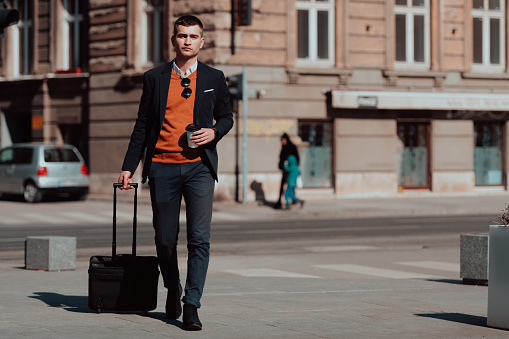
<point x="164" y="86"/>
<point x="201" y="83"/>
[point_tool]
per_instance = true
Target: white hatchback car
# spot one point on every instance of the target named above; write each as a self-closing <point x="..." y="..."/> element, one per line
<point x="36" y="169"/>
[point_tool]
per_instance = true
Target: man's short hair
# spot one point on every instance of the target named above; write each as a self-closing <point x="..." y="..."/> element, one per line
<point x="187" y="20"/>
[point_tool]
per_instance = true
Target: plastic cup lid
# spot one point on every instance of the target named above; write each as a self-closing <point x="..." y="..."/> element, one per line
<point x="192" y="127"/>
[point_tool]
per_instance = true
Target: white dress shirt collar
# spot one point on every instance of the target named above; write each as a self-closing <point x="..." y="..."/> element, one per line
<point x="188" y="72"/>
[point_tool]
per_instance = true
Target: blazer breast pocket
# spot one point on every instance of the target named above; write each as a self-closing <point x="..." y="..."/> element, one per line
<point x="209" y="99"/>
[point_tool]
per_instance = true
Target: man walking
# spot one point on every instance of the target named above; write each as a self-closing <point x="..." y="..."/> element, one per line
<point x="181" y="92"/>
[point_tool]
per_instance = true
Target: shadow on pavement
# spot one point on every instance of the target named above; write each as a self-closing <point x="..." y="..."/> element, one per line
<point x="268" y="204"/>
<point x="79" y="303"/>
<point x="257" y="188"/>
<point x="458" y="318"/>
<point x="448" y="281"/>
<point x="162" y="316"/>
<point x="73" y="303"/>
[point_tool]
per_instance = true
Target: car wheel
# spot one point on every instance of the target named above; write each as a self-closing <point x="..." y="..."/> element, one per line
<point x="31" y="193"/>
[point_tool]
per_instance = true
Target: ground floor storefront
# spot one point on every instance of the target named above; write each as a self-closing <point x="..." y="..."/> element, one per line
<point x="453" y="144"/>
<point x="400" y="153"/>
<point x="352" y="143"/>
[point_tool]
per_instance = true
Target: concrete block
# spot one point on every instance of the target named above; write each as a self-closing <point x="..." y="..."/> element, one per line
<point x="474" y="258"/>
<point x="50" y="253"/>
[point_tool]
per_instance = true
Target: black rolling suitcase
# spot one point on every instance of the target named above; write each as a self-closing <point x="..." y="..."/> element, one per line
<point x="123" y="282"/>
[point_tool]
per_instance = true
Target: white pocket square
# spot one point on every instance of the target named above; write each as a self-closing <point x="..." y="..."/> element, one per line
<point x="208" y="90"/>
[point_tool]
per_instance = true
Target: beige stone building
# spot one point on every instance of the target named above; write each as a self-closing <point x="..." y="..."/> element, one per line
<point x="383" y="97"/>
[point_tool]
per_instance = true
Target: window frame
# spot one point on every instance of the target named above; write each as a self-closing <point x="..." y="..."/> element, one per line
<point x="136" y="32"/>
<point x="59" y="35"/>
<point x="410" y="12"/>
<point x="158" y="26"/>
<point x="11" y="42"/>
<point x="312" y="6"/>
<point x="26" y="26"/>
<point x="486" y="15"/>
<point x="75" y="19"/>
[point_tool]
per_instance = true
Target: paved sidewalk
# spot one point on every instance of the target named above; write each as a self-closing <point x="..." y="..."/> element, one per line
<point x="341" y="292"/>
<point x="408" y="288"/>
<point x="350" y="208"/>
<point x="371" y="207"/>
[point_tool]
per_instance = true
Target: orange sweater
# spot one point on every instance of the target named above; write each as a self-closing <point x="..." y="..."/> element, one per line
<point x="171" y="147"/>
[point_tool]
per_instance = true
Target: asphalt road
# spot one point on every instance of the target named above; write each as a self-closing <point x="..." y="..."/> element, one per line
<point x="100" y="235"/>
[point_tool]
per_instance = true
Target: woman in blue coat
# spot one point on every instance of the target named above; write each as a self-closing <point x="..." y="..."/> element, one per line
<point x="291" y="166"/>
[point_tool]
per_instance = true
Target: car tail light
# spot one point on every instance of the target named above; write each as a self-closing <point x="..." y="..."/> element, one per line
<point x="42" y="171"/>
<point x="84" y="170"/>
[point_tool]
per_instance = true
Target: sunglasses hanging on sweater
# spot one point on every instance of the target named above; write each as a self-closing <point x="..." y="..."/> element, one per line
<point x="186" y="93"/>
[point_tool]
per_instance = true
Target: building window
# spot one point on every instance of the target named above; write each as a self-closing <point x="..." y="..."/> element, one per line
<point x="22" y="38"/>
<point x="152" y="32"/>
<point x="315" y="32"/>
<point x="316" y="153"/>
<point x="488" y="27"/>
<point x="488" y="153"/>
<point x="412" y="27"/>
<point x="413" y="155"/>
<point x="19" y="41"/>
<point x="71" y="30"/>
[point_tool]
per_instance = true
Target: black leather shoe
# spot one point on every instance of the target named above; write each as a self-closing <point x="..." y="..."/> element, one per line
<point x="173" y="306"/>
<point x="190" y="318"/>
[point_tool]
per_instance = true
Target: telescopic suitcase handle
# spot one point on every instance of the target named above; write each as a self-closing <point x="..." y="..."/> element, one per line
<point x="114" y="243"/>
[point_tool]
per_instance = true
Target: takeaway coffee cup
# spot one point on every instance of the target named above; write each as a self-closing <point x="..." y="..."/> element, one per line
<point x="190" y="129"/>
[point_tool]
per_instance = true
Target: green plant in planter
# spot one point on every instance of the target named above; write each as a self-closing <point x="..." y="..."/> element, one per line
<point x="504" y="217"/>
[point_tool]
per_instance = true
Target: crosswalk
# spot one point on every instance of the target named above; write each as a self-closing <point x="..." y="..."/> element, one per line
<point x="97" y="217"/>
<point x="75" y="218"/>
<point x="360" y="271"/>
<point x="376" y="271"/>
<point x="269" y="272"/>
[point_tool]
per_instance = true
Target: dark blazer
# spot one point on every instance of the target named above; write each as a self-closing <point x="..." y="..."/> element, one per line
<point x="211" y="109"/>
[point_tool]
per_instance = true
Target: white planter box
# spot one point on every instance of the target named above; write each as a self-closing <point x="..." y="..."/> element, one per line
<point x="498" y="277"/>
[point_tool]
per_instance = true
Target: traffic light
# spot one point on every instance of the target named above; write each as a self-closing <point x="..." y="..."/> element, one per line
<point x="235" y="86"/>
<point x="8" y="17"/>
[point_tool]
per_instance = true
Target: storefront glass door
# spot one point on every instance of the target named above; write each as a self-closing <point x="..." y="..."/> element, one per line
<point x="413" y="155"/>
<point x="315" y="154"/>
<point x="488" y="153"/>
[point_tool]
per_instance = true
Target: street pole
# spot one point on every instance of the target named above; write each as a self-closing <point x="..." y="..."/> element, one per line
<point x="244" y="135"/>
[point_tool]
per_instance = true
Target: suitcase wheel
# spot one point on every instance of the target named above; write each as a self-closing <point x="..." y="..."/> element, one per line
<point x="99" y="305"/>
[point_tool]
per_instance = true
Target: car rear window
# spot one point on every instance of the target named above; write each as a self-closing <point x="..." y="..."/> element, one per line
<point x="60" y="155"/>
